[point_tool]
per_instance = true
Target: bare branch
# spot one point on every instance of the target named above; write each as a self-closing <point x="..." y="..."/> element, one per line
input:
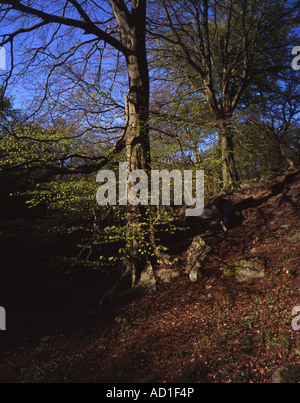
<point x="87" y="26"/>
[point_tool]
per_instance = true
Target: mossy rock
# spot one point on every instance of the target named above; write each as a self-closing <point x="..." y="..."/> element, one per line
<point x="287" y="374"/>
<point x="290" y="251"/>
<point x="197" y="253"/>
<point x="195" y="274"/>
<point x="168" y="275"/>
<point x="246" y="269"/>
<point x="294" y="237"/>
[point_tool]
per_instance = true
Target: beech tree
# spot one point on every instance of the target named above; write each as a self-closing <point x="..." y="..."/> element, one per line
<point x="92" y="27"/>
<point x="279" y="112"/>
<point x="221" y="48"/>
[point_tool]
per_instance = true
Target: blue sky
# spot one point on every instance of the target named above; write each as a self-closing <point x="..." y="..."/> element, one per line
<point x="19" y="91"/>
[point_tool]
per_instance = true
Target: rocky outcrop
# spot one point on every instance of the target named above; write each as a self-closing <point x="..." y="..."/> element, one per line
<point x="147" y="282"/>
<point x="196" y="254"/>
<point x="291" y="250"/>
<point x="287" y="374"/>
<point x="168" y="275"/>
<point x="246" y="269"/>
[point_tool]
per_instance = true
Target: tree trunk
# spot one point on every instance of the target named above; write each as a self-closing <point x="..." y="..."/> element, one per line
<point x="136" y="268"/>
<point x="223" y="117"/>
<point x="138" y="158"/>
<point x="229" y="171"/>
<point x="197" y="156"/>
<point x="285" y="157"/>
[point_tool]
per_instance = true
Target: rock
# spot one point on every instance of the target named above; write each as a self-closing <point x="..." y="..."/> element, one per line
<point x="123" y="290"/>
<point x="287" y="374"/>
<point x="274" y="223"/>
<point x="147" y="282"/>
<point x="168" y="275"/>
<point x="294" y="238"/>
<point x="292" y="250"/>
<point x="196" y="254"/>
<point x="256" y="240"/>
<point x="194" y="274"/>
<point x="207" y="297"/>
<point x="246" y="269"/>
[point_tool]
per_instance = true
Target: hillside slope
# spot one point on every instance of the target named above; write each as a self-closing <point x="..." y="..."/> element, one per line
<point x="216" y="329"/>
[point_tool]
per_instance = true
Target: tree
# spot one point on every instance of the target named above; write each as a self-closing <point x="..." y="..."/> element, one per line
<point x="221" y="48"/>
<point x="266" y="130"/>
<point x="118" y="25"/>
<point x="182" y="120"/>
<point x="279" y="111"/>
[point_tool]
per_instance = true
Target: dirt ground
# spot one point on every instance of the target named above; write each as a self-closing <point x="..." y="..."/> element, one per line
<point x="213" y="330"/>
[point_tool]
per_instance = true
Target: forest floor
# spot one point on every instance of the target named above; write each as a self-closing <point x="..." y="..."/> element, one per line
<point x="216" y="329"/>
